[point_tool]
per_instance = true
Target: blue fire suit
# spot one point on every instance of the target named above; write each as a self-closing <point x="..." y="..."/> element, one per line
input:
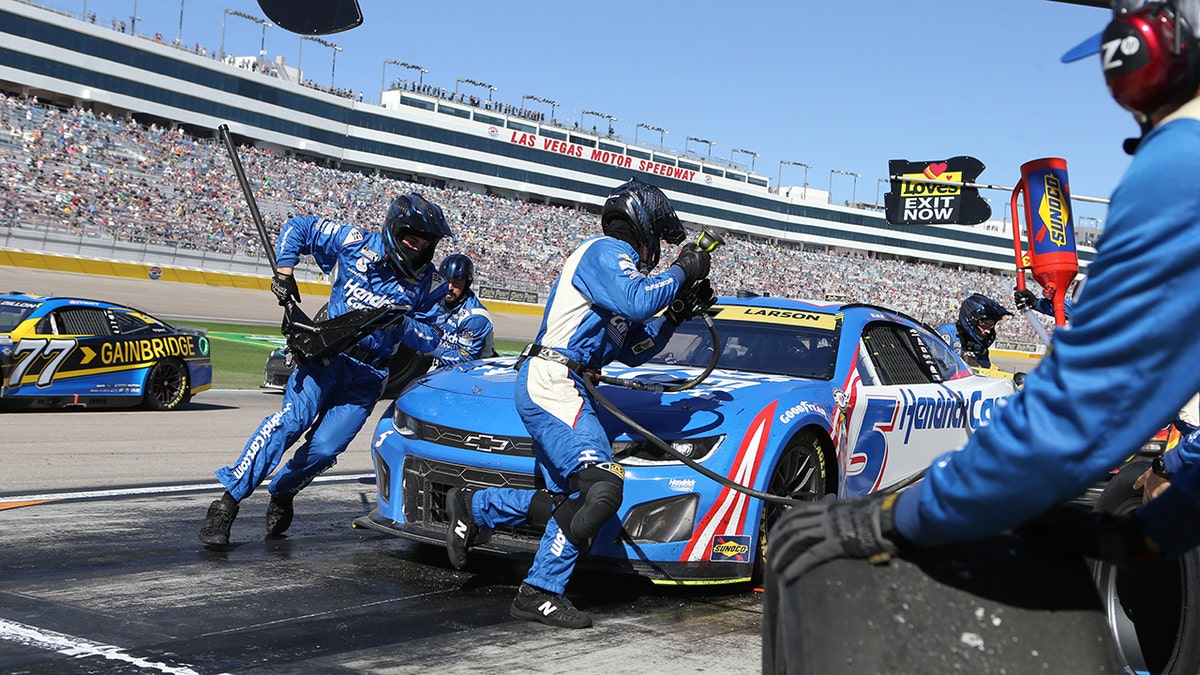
<point x="1116" y="375"/>
<point x="457" y="335"/>
<point x="337" y="396"/>
<point x="597" y="313"/>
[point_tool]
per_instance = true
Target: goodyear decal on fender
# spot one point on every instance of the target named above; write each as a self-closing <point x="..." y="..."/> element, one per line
<point x="731" y="548"/>
<point x="790" y="317"/>
<point x="1054" y="210"/>
<point x="947" y="410"/>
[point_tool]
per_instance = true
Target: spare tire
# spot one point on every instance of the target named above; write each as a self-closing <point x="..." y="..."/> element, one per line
<point x="1153" y="609"/>
<point x="984" y="606"/>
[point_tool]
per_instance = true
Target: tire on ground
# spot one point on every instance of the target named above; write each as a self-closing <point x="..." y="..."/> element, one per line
<point x="168" y="385"/>
<point x="985" y="606"/>
<point x="802" y="472"/>
<point x="1153" y="608"/>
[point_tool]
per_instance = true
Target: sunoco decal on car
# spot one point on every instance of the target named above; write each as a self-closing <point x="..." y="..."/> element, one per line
<point x="735" y="548"/>
<point x="790" y="317"/>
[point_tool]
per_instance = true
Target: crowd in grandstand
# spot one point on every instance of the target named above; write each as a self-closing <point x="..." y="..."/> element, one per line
<point x="102" y="176"/>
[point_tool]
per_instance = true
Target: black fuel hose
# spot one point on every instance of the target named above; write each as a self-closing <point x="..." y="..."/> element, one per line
<point x="659" y="443"/>
<point x="663" y="445"/>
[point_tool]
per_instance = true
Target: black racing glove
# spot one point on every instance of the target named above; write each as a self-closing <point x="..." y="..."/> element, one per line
<point x="284" y="287"/>
<point x="1025" y="299"/>
<point x="691" y="301"/>
<point x="694" y="263"/>
<point x="1076" y="530"/>
<point x="809" y="535"/>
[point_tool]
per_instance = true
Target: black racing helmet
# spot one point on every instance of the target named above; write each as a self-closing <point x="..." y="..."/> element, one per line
<point x="650" y="216"/>
<point x="978" y="307"/>
<point x="412" y="214"/>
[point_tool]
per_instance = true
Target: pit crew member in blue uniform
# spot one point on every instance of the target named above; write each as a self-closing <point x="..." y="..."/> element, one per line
<point x="600" y="309"/>
<point x="462" y="329"/>
<point x="1157" y="478"/>
<point x="975" y="331"/>
<point x="1115" y="376"/>
<point x="331" y="401"/>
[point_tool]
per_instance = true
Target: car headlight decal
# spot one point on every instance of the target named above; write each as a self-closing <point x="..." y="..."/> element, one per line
<point x="383" y="477"/>
<point x="663" y="520"/>
<point x="638" y="452"/>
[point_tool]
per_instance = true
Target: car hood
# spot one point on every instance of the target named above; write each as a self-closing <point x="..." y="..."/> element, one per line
<point x="722" y="393"/>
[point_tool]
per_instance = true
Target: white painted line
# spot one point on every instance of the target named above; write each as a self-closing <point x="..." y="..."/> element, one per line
<point x="154" y="489"/>
<point x="76" y="647"/>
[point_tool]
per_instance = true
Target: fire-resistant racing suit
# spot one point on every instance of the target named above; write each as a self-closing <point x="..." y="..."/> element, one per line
<point x="596" y="314"/>
<point x="1115" y="376"/>
<point x="341" y="393"/>
<point x="456" y="335"/>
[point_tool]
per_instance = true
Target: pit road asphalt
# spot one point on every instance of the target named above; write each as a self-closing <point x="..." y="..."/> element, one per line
<point x="101" y="570"/>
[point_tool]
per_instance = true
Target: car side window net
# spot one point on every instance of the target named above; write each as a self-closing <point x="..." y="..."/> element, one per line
<point x="898" y="355"/>
<point x="82" y="321"/>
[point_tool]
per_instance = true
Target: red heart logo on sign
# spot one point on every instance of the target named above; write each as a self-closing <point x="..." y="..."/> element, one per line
<point x="934" y="170"/>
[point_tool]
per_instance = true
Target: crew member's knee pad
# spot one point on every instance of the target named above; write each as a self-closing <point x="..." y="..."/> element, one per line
<point x="600" y="488"/>
<point x="542" y="506"/>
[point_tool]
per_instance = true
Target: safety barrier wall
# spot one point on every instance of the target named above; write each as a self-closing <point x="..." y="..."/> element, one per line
<point x="45" y="250"/>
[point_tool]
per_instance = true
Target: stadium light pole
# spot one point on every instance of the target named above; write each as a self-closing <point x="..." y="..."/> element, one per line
<point x="263" y="23"/>
<point x="841" y="173"/>
<point x="325" y="43"/>
<point x="383" y="76"/>
<point x="878" y="184"/>
<point x="485" y="85"/>
<point x="753" y="156"/>
<point x="539" y="99"/>
<point x="179" y="37"/>
<point x="604" y="116"/>
<point x="647" y="127"/>
<point x="710" y="144"/>
<point x="782" y="162"/>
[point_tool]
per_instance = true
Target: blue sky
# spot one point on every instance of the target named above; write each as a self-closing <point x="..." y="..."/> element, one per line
<point x="844" y="85"/>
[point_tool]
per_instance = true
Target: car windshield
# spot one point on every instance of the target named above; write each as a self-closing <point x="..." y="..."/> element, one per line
<point x="755" y="346"/>
<point x="13" y="312"/>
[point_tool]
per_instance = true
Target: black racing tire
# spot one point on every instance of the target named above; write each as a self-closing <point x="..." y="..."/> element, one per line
<point x="802" y="473"/>
<point x="1151" y="609"/>
<point x="406" y="365"/>
<point x="168" y="385"/>
<point x="987" y="606"/>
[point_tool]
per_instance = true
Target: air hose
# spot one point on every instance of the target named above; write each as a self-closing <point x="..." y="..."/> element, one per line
<point x="663" y="445"/>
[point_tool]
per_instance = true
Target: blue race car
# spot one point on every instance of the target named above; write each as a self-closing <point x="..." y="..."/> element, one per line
<point x="808" y="399"/>
<point x="58" y="352"/>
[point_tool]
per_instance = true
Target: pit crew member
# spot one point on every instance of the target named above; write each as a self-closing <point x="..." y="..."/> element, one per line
<point x="461" y="329"/>
<point x="600" y="309"/>
<point x="331" y="401"/>
<point x="975" y="331"/>
<point x="1113" y="378"/>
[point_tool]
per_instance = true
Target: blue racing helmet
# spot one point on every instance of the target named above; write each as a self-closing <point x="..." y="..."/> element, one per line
<point x="412" y="214"/>
<point x="978" y="307"/>
<point x="650" y="216"/>
<point x="458" y="266"/>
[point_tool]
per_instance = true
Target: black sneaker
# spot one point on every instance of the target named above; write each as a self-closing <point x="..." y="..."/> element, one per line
<point x="463" y="529"/>
<point x="534" y="604"/>
<point x="279" y="515"/>
<point x="215" y="531"/>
